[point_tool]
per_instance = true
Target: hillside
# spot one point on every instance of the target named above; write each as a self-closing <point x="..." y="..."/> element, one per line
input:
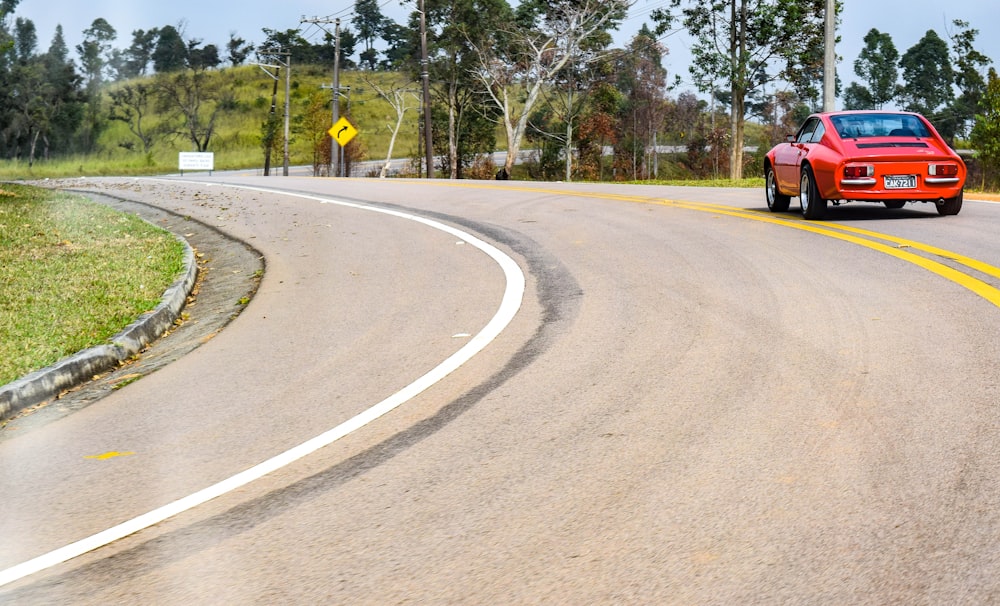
<point x="237" y="137"/>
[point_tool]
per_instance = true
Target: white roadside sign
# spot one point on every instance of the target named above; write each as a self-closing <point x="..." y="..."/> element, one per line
<point x="196" y="161"/>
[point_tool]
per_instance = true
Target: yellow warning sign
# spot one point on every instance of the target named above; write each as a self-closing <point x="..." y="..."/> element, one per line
<point x="342" y="132"/>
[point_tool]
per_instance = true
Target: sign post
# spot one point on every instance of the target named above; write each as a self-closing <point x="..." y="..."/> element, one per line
<point x="342" y="132"/>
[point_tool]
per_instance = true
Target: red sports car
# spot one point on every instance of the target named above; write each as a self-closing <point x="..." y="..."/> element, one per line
<point x="864" y="156"/>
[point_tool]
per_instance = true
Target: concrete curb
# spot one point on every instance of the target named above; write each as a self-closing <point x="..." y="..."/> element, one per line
<point x="48" y="383"/>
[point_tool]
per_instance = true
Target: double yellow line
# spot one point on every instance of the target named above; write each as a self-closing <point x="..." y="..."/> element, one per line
<point x="896" y="247"/>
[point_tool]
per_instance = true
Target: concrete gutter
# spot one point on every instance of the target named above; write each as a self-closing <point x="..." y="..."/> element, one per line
<point x="47" y="383"/>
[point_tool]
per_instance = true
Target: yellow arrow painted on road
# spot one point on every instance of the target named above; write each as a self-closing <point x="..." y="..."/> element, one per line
<point x="109" y="455"/>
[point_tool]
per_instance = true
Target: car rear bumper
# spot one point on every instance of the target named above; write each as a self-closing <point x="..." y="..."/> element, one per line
<point x="873" y="188"/>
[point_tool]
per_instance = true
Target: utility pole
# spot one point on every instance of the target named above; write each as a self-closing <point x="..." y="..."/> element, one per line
<point x="288" y="113"/>
<point x="336" y="152"/>
<point x="335" y="148"/>
<point x="830" y="56"/>
<point x="425" y="76"/>
<point x="270" y="122"/>
<point x="275" y="53"/>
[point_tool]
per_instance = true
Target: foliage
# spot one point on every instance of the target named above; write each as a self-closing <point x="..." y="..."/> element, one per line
<point x="738" y="41"/>
<point x="370" y="22"/>
<point x="541" y="72"/>
<point x="238" y="50"/>
<point x="531" y="56"/>
<point x="170" y="53"/>
<point x="193" y="101"/>
<point x="929" y="78"/>
<point x="968" y="64"/>
<point x="312" y="126"/>
<point x="876" y="65"/>
<point x="304" y="52"/>
<point x="131" y="104"/>
<point x="642" y="80"/>
<point x="985" y="137"/>
<point x="460" y="114"/>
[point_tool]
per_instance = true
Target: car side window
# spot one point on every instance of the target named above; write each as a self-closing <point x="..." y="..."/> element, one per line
<point x="805" y="134"/>
<point x="817" y="135"/>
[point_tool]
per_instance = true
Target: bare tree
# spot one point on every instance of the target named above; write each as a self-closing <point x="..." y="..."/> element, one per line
<point x="515" y="65"/>
<point x="194" y="101"/>
<point x="130" y="104"/>
<point x="398" y="97"/>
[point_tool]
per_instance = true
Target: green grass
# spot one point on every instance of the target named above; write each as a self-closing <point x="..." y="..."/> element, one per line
<point x="236" y="142"/>
<point x="73" y="273"/>
<point x="749" y="182"/>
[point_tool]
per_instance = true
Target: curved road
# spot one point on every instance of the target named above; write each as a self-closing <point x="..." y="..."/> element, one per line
<point x="697" y="402"/>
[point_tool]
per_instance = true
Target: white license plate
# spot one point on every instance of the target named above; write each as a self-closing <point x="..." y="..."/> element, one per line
<point x="900" y="181"/>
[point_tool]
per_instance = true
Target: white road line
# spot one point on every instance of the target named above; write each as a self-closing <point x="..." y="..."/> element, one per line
<point x="509" y="306"/>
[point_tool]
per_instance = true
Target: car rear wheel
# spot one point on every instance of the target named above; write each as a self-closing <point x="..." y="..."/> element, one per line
<point x="777" y="202"/>
<point x="813" y="205"/>
<point x="951" y="206"/>
<point x="894" y="204"/>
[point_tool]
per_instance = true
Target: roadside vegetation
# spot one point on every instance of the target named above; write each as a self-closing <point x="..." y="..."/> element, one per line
<point x="73" y="273"/>
<point x="537" y="76"/>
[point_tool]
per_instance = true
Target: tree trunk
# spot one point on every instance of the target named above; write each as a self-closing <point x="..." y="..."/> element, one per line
<point x="392" y="143"/>
<point x="34" y="144"/>
<point x="736" y="140"/>
<point x="515" y="132"/>
<point x="738" y="61"/>
<point x="452" y="131"/>
<point x="569" y="150"/>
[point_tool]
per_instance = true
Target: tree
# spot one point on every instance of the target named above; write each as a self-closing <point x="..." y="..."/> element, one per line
<point x="985" y="137"/>
<point x="369" y="21"/>
<point x="26" y="39"/>
<point x="451" y="27"/>
<point x="876" y="65"/>
<point x="95" y="52"/>
<point x="969" y="64"/>
<point x="43" y="100"/>
<point x="170" y="54"/>
<point x="599" y="127"/>
<point x="401" y="98"/>
<point x="312" y="126"/>
<point x="642" y="79"/>
<point x="66" y="102"/>
<point x="194" y="100"/>
<point x="400" y="45"/>
<point x="928" y="76"/>
<point x="858" y="96"/>
<point x="238" y="49"/>
<point x="201" y="58"/>
<point x="130" y="104"/>
<point x="516" y="65"/>
<point x="137" y="57"/>
<point x="740" y="41"/>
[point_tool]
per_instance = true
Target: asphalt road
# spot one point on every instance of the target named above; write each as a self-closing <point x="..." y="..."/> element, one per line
<point x="697" y="402"/>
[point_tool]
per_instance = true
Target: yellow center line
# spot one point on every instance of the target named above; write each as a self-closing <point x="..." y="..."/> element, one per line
<point x="831" y="230"/>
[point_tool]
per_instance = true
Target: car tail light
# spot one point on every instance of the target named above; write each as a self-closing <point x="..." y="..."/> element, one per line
<point x="943" y="170"/>
<point x="858" y="171"/>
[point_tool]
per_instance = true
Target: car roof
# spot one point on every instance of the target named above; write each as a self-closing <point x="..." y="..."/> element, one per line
<point x="867" y="112"/>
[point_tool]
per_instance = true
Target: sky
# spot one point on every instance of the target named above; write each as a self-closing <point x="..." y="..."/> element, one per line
<point x="213" y="22"/>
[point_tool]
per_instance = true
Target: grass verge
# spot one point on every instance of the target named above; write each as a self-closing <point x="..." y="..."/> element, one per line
<point x="73" y="273"/>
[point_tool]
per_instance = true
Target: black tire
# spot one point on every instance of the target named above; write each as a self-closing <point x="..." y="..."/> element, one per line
<point x="777" y="202"/>
<point x="894" y="204"/>
<point x="951" y="206"/>
<point x="813" y="205"/>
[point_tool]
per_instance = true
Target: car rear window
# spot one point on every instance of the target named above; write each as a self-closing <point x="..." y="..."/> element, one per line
<point x="860" y="126"/>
